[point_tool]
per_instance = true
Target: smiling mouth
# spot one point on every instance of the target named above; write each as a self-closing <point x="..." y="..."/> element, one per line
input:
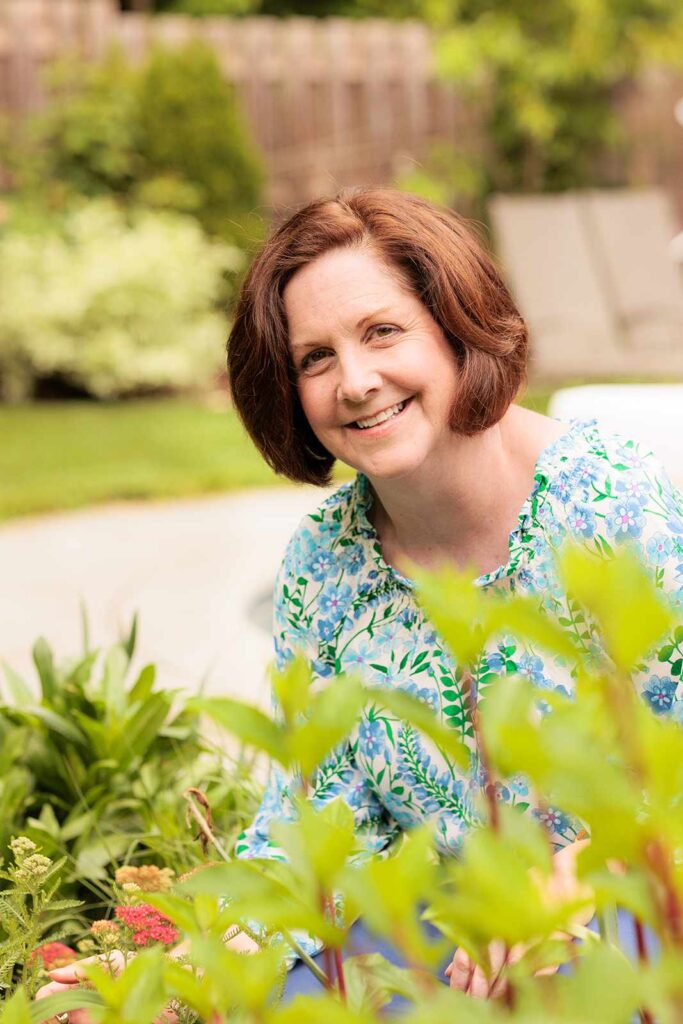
<point x="381" y="417"/>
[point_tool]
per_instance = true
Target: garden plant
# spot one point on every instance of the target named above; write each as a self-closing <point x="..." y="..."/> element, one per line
<point x="99" y="767"/>
<point x="604" y="755"/>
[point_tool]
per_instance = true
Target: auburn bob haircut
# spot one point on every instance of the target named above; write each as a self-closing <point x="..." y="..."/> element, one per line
<point x="444" y="263"/>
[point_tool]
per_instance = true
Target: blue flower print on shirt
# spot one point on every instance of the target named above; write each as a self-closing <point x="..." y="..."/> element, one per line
<point x="360" y="657"/>
<point x="581" y="519"/>
<point x="325" y="629"/>
<point x="495" y="660"/>
<point x="584" y="475"/>
<point x="334" y="600"/>
<point x="626" y="521"/>
<point x="659" y="547"/>
<point x="660" y="692"/>
<point x="372" y="738"/>
<point x="353" y="559"/>
<point x="552" y="819"/>
<point x="563" y="487"/>
<point x="329" y="528"/>
<point x="531" y="667"/>
<point x="322" y="668"/>
<point x="424" y="694"/>
<point x="630" y="455"/>
<point x="320" y="564"/>
<point x="634" y="487"/>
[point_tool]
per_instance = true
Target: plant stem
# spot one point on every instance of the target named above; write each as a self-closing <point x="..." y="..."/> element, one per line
<point x="641" y="946"/>
<point x="328" y="955"/>
<point x="204" y="826"/>
<point x="608" y="926"/>
<point x="341" y="981"/>
<point x="306" y="959"/>
<point x="643" y="958"/>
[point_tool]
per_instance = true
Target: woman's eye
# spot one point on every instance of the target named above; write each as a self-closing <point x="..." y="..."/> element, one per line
<point x="311" y="358"/>
<point x="382" y="330"/>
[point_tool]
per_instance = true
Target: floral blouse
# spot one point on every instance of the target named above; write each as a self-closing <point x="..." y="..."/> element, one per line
<point x="338" y="601"/>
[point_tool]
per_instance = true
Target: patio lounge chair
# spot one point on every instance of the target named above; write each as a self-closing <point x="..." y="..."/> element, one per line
<point x="592" y="274"/>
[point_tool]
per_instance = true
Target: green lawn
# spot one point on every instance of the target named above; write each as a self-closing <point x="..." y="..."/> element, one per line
<point x="66" y="455"/>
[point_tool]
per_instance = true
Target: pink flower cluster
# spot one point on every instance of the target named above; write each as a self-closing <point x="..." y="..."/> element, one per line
<point x="147" y="925"/>
<point x="54" y="954"/>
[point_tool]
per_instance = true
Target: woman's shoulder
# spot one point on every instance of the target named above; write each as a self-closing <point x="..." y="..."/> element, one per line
<point x="607" y="487"/>
<point x="591" y="451"/>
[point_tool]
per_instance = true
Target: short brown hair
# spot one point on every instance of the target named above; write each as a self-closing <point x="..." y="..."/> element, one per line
<point x="446" y="266"/>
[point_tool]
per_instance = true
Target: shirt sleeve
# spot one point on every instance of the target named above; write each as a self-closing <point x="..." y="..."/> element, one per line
<point x="339" y="774"/>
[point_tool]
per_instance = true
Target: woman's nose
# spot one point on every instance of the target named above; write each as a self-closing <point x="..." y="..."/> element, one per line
<point x="357" y="379"/>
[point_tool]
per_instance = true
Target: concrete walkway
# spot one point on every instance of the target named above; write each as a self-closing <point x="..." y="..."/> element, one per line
<point x="199" y="573"/>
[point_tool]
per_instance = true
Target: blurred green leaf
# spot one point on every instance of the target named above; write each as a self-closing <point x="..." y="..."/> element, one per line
<point x="622" y="596"/>
<point x="43" y="660"/>
<point x="251" y="726"/>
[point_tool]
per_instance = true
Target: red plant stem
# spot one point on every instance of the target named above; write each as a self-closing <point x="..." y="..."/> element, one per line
<point x="467" y="686"/>
<point x="328" y="954"/>
<point x="341" y="981"/>
<point x="641" y="947"/>
<point x="643" y="958"/>
<point x="489" y="784"/>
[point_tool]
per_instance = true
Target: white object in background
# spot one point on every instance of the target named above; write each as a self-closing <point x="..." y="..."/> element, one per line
<point x="650" y="413"/>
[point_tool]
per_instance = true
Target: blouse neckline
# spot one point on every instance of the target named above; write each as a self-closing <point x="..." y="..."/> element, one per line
<point x="542" y="474"/>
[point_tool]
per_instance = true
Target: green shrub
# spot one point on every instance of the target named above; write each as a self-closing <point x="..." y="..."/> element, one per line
<point x="113" y="304"/>
<point x="95" y="765"/>
<point x="167" y="134"/>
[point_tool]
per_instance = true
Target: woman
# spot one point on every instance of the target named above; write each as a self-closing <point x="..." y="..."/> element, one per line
<point x="373" y="328"/>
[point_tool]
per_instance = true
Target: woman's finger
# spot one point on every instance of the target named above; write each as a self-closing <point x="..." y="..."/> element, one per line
<point x="51" y="989"/>
<point x="71" y="974"/>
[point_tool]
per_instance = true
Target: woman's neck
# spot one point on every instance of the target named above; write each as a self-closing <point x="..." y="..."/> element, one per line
<point x="461" y="510"/>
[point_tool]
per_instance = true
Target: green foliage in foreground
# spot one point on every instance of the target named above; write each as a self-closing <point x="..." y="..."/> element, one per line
<point x="601" y="755"/>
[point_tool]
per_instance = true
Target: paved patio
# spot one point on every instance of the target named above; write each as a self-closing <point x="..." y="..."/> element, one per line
<point x="199" y="573"/>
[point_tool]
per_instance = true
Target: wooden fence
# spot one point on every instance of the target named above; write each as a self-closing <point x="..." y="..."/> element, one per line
<point x="330" y="102"/>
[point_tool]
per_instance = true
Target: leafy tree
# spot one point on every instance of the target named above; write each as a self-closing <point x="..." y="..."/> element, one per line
<point x="544" y="78"/>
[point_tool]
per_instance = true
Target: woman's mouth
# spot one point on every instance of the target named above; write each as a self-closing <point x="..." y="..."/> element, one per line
<point x="371" y="423"/>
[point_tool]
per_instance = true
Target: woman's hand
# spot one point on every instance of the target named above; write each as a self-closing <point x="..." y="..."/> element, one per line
<point x="563" y="884"/>
<point x="70" y="976"/>
<point x="466" y="976"/>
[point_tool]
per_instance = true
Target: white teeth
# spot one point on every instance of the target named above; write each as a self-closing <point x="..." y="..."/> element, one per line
<point x="372" y="421"/>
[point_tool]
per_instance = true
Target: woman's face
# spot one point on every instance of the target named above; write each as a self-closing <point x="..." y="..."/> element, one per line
<point x="375" y="374"/>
